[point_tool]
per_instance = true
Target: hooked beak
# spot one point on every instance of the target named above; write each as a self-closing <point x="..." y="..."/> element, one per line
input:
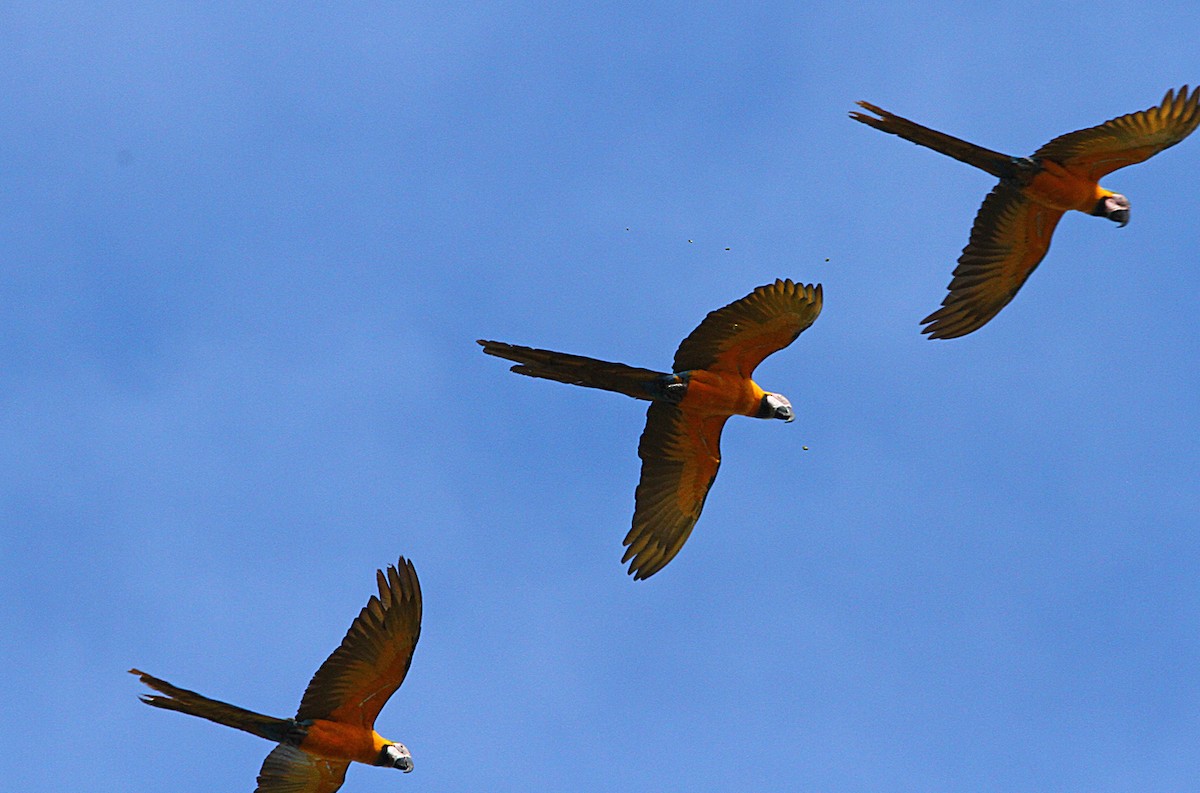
<point x="399" y="757"/>
<point x="1116" y="208"/>
<point x="776" y="406"/>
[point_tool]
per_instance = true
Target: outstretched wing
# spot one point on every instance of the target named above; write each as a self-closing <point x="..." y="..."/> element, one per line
<point x="680" y="455"/>
<point x="1127" y="139"/>
<point x="290" y="770"/>
<point x="358" y="677"/>
<point x="1009" y="239"/>
<point x="739" y="336"/>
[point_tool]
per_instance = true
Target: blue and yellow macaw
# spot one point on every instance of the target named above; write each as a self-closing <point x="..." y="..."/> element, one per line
<point x="709" y="382"/>
<point x="335" y="724"/>
<point x="1012" y="230"/>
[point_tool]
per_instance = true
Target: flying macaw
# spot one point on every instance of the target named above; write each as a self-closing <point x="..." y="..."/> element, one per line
<point x="1012" y="230"/>
<point x="710" y="381"/>
<point x="336" y="719"/>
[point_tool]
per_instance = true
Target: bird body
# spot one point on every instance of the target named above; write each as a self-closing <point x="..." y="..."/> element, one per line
<point x="334" y="725"/>
<point x="711" y="381"/>
<point x="339" y="741"/>
<point x="1013" y="228"/>
<point x="1058" y="187"/>
<point x="716" y="393"/>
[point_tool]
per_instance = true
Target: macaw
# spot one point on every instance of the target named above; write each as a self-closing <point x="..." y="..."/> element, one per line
<point x="709" y="382"/>
<point x="336" y="720"/>
<point x="1012" y="231"/>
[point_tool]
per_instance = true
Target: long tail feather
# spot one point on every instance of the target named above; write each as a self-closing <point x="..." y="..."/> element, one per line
<point x="993" y="162"/>
<point x="576" y="369"/>
<point x="193" y="704"/>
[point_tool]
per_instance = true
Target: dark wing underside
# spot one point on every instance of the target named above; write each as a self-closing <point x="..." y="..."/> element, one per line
<point x="358" y="677"/>
<point x="739" y="336"/>
<point x="290" y="770"/>
<point x="1127" y="139"/>
<point x="1009" y="239"/>
<point x="680" y="456"/>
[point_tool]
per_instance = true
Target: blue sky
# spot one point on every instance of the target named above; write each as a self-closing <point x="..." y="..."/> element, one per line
<point x="247" y="256"/>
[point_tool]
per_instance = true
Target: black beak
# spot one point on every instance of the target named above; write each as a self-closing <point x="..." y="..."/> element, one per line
<point x="1120" y="216"/>
<point x="405" y="764"/>
<point x="784" y="412"/>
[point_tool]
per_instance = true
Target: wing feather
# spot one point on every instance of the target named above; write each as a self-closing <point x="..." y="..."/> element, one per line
<point x="291" y="770"/>
<point x="680" y="457"/>
<point x="739" y="336"/>
<point x="370" y="664"/>
<point x="1009" y="239"/>
<point x="1127" y="139"/>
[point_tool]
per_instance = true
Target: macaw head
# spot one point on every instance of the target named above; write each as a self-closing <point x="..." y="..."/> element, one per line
<point x="775" y="406"/>
<point x="395" y="755"/>
<point x="1115" y="207"/>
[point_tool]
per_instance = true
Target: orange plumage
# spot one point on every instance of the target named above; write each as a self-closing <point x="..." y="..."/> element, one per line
<point x="1012" y="231"/>
<point x="709" y="382"/>
<point x="334" y="725"/>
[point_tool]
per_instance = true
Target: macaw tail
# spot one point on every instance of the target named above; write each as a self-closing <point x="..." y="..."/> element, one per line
<point x="578" y="370"/>
<point x="194" y="704"/>
<point x="995" y="163"/>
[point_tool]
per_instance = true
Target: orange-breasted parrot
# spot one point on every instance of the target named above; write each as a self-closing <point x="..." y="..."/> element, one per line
<point x="336" y="720"/>
<point x="709" y="382"/>
<point x="1012" y="230"/>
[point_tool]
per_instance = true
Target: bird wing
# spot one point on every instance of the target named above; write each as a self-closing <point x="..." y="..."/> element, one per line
<point x="1127" y="139"/>
<point x="358" y="677"/>
<point x="291" y="770"/>
<point x="680" y="455"/>
<point x="1009" y="239"/>
<point x="739" y="336"/>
